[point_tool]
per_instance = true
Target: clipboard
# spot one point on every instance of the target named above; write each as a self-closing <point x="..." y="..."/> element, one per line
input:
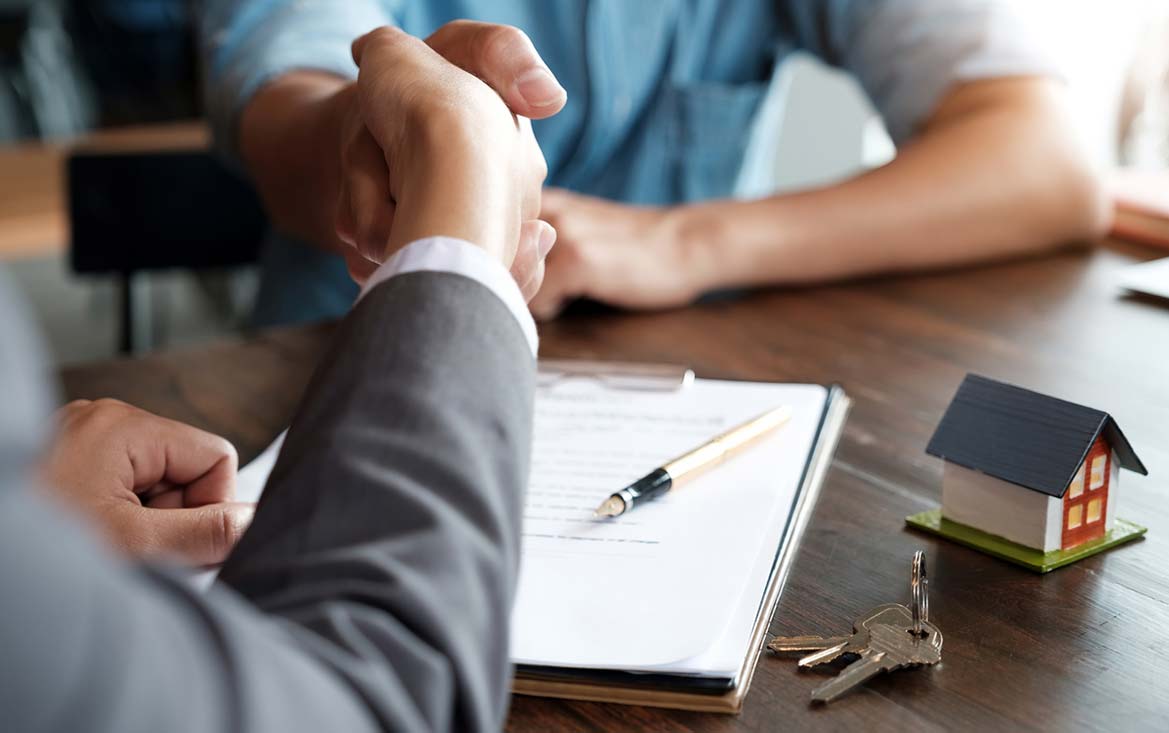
<point x="673" y="690"/>
<point x="614" y="375"/>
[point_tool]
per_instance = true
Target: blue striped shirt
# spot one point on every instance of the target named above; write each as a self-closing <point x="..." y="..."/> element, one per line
<point x="661" y="94"/>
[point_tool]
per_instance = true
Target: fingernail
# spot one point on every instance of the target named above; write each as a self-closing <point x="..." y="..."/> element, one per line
<point x="539" y="88"/>
<point x="547" y="239"/>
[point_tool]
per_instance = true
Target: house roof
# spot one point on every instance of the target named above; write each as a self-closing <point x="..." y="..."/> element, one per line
<point x="1024" y="437"/>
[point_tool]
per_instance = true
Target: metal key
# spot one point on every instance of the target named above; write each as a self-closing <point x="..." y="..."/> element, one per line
<point x="805" y="643"/>
<point x="891" y="646"/>
<point x="828" y="648"/>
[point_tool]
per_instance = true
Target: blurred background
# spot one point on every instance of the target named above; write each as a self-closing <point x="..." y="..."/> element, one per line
<point x="89" y="87"/>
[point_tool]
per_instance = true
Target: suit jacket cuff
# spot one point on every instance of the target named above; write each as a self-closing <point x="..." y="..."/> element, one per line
<point x="448" y="254"/>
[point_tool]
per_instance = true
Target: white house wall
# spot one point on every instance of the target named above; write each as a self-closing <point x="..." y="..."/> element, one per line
<point x="1053" y="534"/>
<point x="999" y="507"/>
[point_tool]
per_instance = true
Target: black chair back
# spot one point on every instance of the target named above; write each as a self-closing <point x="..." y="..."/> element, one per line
<point x="132" y="212"/>
<point x="150" y="211"/>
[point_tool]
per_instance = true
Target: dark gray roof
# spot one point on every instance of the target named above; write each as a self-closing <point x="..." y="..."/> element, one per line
<point x="1023" y="437"/>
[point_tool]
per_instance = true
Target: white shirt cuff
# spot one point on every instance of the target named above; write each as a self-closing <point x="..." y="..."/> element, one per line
<point x="447" y="254"/>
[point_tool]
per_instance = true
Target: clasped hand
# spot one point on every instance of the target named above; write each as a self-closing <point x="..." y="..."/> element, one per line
<point x="426" y="149"/>
<point x="434" y="141"/>
<point x="431" y="121"/>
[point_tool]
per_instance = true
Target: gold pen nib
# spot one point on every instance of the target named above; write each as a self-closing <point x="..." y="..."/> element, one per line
<point x="611" y="507"/>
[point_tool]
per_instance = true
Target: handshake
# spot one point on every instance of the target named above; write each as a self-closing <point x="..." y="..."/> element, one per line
<point x="432" y="139"/>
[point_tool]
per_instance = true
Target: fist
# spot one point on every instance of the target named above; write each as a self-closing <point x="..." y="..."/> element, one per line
<point x="152" y="485"/>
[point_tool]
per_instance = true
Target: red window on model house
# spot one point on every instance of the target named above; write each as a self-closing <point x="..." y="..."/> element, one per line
<point x="1085" y="504"/>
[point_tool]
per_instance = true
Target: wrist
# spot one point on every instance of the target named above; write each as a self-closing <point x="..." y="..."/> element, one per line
<point x="286" y="136"/>
<point x="693" y="234"/>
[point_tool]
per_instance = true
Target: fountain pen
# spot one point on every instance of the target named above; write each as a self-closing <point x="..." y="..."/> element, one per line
<point x="691" y="464"/>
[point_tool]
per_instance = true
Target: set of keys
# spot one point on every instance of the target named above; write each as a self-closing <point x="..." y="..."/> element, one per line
<point x="887" y="638"/>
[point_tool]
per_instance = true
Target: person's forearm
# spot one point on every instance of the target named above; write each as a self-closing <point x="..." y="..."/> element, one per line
<point x="287" y="142"/>
<point x="995" y="173"/>
<point x="390" y="524"/>
<point x="290" y="141"/>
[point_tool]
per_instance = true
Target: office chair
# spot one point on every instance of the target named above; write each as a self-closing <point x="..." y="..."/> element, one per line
<point x="132" y="213"/>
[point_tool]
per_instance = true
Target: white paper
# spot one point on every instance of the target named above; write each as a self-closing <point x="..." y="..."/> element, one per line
<point x="249" y="484"/>
<point x="1151" y="278"/>
<point x="674" y="585"/>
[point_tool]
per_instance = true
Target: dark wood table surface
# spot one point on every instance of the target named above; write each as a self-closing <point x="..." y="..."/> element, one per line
<point x="1085" y="647"/>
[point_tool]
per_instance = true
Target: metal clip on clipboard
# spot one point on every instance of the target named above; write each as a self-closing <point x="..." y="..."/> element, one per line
<point x="617" y="375"/>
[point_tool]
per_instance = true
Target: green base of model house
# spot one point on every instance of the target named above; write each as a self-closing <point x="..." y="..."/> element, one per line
<point x="1040" y="562"/>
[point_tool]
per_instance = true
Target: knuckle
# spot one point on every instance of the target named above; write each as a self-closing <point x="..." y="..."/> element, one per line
<point x="385" y="34"/>
<point x="74" y="409"/>
<point x="225" y="448"/>
<point x="454" y="28"/>
<point x="377" y="45"/>
<point x="538" y="163"/>
<point x="107" y="410"/>
<point x="219" y="532"/>
<point x="496" y="41"/>
<point x="110" y="404"/>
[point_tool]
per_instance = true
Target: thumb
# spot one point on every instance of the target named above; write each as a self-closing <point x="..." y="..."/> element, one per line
<point x="201" y="535"/>
<point x="505" y="59"/>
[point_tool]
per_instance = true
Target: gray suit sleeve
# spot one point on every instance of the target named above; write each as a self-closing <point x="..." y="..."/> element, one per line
<point x="374" y="588"/>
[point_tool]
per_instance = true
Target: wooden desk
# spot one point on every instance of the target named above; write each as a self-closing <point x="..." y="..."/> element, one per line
<point x="1084" y="647"/>
<point x="33" y="216"/>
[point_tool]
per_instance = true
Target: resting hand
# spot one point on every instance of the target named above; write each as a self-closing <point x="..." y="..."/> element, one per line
<point x="426" y="131"/>
<point x="622" y="255"/>
<point x="154" y="486"/>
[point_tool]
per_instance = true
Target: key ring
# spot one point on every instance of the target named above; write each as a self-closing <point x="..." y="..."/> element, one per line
<point x="919" y="591"/>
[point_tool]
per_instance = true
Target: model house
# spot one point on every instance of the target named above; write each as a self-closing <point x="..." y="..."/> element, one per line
<point x="1035" y="470"/>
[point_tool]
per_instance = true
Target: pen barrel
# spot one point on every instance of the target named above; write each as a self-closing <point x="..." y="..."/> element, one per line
<point x="730" y="443"/>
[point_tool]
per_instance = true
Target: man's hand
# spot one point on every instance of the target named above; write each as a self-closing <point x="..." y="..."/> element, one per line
<point x="995" y="172"/>
<point x="316" y="145"/>
<point x="154" y="486"/>
<point x="626" y="256"/>
<point x="428" y="148"/>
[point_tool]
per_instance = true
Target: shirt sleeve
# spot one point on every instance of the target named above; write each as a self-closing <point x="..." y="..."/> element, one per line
<point x="448" y="254"/>
<point x="246" y="44"/>
<point x="908" y="53"/>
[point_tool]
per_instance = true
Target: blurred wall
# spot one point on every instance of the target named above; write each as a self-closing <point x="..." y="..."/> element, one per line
<point x="817" y="127"/>
<point x="1095" y="43"/>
